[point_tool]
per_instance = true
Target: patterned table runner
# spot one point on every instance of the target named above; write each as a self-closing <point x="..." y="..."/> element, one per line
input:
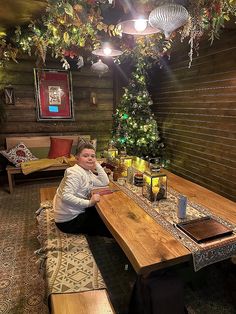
<point x="165" y="213"/>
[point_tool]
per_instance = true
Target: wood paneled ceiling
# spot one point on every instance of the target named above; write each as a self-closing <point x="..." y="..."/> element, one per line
<point x="17" y="12"/>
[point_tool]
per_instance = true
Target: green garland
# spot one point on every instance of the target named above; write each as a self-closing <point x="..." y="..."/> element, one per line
<point x="76" y="27"/>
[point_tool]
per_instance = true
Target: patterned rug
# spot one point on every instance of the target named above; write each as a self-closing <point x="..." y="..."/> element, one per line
<point x="209" y="291"/>
<point x="21" y="286"/>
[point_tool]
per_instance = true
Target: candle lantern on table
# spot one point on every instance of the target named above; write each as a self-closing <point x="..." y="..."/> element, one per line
<point x="127" y="162"/>
<point x="112" y="152"/>
<point x="154" y="186"/>
<point x="154" y="164"/>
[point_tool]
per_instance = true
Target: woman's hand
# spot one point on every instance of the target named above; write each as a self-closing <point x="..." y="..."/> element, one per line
<point x="94" y="199"/>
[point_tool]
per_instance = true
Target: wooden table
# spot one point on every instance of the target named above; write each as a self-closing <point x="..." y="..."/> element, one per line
<point x="146" y="244"/>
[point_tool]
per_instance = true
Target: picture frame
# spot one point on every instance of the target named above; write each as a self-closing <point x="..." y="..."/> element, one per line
<point x="54" y="98"/>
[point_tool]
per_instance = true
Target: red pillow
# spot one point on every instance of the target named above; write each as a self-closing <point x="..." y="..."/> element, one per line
<point x="59" y="147"/>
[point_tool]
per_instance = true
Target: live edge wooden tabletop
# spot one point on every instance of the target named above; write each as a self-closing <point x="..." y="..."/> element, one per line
<point x="146" y="244"/>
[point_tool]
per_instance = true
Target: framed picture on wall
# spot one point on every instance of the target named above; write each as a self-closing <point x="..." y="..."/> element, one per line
<point x="54" y="99"/>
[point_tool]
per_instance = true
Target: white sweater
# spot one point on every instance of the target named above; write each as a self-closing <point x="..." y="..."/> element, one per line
<point x="73" y="193"/>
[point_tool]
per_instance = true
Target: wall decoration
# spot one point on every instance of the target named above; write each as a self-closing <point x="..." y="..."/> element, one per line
<point x="9" y="95"/>
<point x="54" y="99"/>
<point x="93" y="98"/>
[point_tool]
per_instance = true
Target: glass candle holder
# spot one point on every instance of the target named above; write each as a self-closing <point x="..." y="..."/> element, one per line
<point x="154" y="186"/>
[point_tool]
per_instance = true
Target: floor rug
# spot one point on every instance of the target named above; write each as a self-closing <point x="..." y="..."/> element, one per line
<point x="209" y="291"/>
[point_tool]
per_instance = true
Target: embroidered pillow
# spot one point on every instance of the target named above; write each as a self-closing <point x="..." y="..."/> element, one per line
<point x="83" y="141"/>
<point x="59" y="147"/>
<point x="18" y="154"/>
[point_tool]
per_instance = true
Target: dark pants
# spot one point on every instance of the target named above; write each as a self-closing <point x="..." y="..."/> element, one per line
<point x="88" y="223"/>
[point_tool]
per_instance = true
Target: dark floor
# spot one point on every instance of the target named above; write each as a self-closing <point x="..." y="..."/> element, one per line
<point x="209" y="291"/>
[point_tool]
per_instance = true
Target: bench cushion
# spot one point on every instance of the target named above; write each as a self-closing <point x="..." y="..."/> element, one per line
<point x="68" y="262"/>
<point x="17" y="154"/>
<point x="59" y="147"/>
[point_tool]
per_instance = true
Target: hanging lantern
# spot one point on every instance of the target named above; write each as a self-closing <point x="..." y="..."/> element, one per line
<point x="168" y="18"/>
<point x="99" y="67"/>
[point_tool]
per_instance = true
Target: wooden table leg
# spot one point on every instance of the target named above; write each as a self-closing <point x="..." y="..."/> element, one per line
<point x="10" y="181"/>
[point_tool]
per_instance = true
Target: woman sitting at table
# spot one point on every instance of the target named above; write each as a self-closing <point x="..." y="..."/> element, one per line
<point x="74" y="205"/>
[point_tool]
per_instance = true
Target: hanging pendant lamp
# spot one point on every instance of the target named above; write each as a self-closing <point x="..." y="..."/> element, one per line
<point x="168" y="17"/>
<point x="107" y="51"/>
<point x="99" y="67"/>
<point x="139" y="26"/>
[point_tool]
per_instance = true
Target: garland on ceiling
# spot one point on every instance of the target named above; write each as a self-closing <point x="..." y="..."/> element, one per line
<point x="72" y="28"/>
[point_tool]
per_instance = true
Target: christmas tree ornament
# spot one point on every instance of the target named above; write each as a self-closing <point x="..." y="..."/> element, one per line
<point x="125" y="116"/>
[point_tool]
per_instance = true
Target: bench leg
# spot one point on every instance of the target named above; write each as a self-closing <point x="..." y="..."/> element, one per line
<point x="10" y="181"/>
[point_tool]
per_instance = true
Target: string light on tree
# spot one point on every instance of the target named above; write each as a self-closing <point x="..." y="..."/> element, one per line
<point x="134" y="125"/>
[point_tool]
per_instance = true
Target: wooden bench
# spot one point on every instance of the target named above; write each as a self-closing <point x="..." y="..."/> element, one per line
<point x="87" y="302"/>
<point x="39" y="146"/>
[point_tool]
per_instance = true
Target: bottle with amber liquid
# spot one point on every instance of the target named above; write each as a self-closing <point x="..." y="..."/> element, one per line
<point x="116" y="174"/>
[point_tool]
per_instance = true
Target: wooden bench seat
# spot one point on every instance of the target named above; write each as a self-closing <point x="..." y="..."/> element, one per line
<point x="89" y="302"/>
<point x="39" y="146"/>
<point x="74" y="283"/>
<point x="12" y="170"/>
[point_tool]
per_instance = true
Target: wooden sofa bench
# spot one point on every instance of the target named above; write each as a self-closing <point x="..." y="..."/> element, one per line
<point x="39" y="146"/>
<point x="74" y="282"/>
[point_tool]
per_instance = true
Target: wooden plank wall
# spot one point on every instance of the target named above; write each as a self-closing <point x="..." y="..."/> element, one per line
<point x="196" y="111"/>
<point x="95" y="120"/>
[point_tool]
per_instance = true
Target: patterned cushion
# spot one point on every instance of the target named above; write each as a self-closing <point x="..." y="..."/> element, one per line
<point x="59" y="147"/>
<point x="18" y="154"/>
<point x="70" y="265"/>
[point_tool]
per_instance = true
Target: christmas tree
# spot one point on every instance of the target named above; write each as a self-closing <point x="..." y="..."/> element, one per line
<point x="134" y="127"/>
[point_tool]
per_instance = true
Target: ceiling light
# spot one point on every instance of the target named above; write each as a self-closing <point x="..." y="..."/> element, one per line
<point x="140" y="24"/>
<point x="107" y="52"/>
<point x="168" y="17"/>
<point x="137" y="27"/>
